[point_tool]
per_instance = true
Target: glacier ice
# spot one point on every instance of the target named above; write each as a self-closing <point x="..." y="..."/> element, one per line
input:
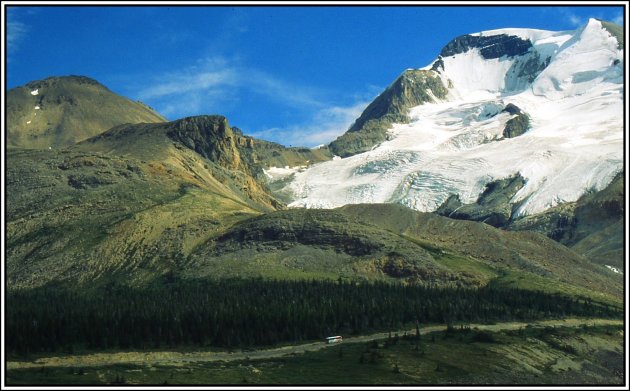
<point x="455" y="146"/>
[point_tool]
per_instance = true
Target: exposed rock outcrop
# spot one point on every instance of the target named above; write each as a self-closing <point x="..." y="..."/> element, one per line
<point x="492" y="207"/>
<point x="210" y="136"/>
<point x="493" y="46"/>
<point x="518" y="125"/>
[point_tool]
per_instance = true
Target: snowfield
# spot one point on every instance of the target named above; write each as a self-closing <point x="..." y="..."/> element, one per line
<point x="278" y="173"/>
<point x="456" y="146"/>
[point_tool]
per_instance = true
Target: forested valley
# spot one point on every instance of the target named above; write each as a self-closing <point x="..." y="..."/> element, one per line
<point x="241" y="313"/>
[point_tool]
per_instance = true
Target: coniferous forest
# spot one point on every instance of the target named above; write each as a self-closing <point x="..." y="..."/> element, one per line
<point x="254" y="312"/>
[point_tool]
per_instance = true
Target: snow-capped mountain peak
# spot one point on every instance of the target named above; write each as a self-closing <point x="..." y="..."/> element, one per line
<point x="543" y="105"/>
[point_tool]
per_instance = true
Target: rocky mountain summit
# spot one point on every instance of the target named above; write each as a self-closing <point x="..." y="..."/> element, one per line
<point x="60" y="111"/>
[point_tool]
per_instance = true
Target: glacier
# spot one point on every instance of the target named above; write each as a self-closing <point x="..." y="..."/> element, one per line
<point x="455" y="146"/>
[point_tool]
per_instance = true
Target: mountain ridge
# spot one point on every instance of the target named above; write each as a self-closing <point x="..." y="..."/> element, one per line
<point x="411" y="88"/>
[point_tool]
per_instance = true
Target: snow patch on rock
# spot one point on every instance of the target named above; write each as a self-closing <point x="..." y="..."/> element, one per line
<point x="614" y="269"/>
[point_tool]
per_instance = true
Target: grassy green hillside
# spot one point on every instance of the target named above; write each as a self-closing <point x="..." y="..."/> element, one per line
<point x="60" y="111"/>
<point x="132" y="203"/>
<point x="85" y="216"/>
<point x="393" y="243"/>
<point x="490" y="255"/>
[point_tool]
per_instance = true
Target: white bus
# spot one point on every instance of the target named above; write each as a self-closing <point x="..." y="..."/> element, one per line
<point x="335" y="339"/>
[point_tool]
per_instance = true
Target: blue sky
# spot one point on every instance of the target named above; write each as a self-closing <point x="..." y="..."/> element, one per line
<point x="294" y="75"/>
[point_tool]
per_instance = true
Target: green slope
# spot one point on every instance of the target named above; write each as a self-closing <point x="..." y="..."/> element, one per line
<point x="132" y="202"/>
<point x="392" y="243"/>
<point x="490" y="255"/>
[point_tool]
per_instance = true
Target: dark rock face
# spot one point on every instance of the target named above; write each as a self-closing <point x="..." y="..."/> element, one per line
<point x="88" y="181"/>
<point x="310" y="232"/>
<point x="524" y="72"/>
<point x="512" y="109"/>
<point x="410" y="89"/>
<point x="494" y="46"/>
<point x="561" y="227"/>
<point x="319" y="228"/>
<point x="450" y="206"/>
<point x="415" y="87"/>
<point x="438" y="64"/>
<point x="492" y="207"/>
<point x="282" y="234"/>
<point x="516" y="126"/>
<point x="210" y="136"/>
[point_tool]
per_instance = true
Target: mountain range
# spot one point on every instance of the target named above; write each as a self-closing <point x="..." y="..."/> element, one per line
<point x="500" y="163"/>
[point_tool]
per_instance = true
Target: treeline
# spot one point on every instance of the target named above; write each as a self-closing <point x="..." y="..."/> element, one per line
<point x="242" y="313"/>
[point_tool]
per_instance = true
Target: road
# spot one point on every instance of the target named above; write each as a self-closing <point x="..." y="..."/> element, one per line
<point x="181" y="358"/>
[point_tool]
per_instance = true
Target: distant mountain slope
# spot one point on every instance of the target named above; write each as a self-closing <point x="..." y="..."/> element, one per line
<point x="160" y="202"/>
<point x="147" y="202"/>
<point x="60" y="111"/>
<point x="214" y="139"/>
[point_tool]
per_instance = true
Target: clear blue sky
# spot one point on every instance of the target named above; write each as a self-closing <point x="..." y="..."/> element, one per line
<point x="295" y="75"/>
